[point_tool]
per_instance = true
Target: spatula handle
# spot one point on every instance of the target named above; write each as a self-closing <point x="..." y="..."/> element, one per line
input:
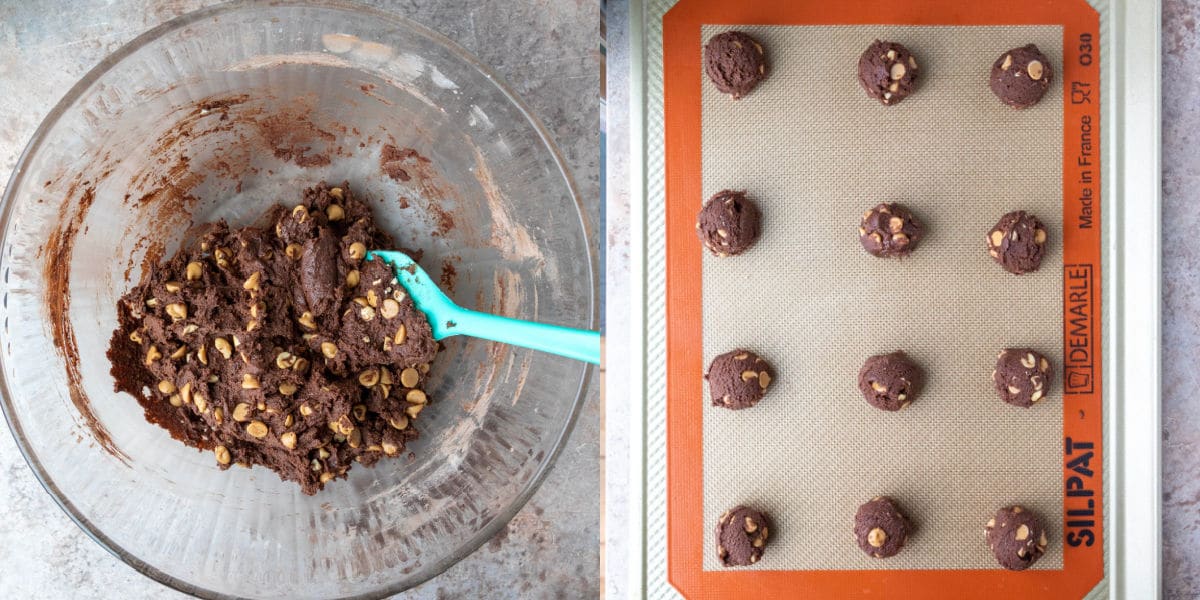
<point x="579" y="344"/>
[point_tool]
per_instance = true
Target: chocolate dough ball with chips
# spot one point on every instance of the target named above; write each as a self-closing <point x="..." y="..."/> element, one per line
<point x="735" y="63"/>
<point x="1018" y="242"/>
<point x="887" y="71"/>
<point x="1016" y="537"/>
<point x="729" y="223"/>
<point x="741" y="534"/>
<point x="880" y="527"/>
<point x="1022" y="376"/>
<point x="889" y="230"/>
<point x="1021" y="76"/>
<point x="889" y="381"/>
<point x="738" y="379"/>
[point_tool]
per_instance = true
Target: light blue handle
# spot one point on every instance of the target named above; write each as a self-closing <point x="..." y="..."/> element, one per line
<point x="578" y="344"/>
<point x="449" y="319"/>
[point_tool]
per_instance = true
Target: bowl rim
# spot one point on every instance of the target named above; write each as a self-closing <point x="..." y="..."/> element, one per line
<point x="492" y="527"/>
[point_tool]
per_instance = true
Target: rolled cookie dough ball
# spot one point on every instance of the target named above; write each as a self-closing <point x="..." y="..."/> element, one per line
<point x="738" y="379"/>
<point x="889" y="230"/>
<point x="1021" y="76"/>
<point x="889" y="381"/>
<point x="741" y="535"/>
<point x="1018" y="242"/>
<point x="729" y="223"/>
<point x="735" y="63"/>
<point x="880" y="527"/>
<point x="1022" y="376"/>
<point x="1016" y="537"/>
<point x="887" y="71"/>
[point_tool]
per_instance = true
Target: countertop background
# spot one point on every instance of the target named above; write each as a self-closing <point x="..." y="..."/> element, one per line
<point x="1180" y="307"/>
<point x="1181" y="299"/>
<point x="548" y="51"/>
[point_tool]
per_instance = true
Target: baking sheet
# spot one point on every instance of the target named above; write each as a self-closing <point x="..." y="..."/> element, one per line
<point x="814" y="151"/>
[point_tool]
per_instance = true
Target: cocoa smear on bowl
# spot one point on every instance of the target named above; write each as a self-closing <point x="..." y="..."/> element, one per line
<point x="57" y="276"/>
<point x="401" y="164"/>
<point x="169" y="180"/>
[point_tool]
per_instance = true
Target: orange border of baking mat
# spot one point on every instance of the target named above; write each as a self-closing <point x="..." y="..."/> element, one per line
<point x="1083" y="551"/>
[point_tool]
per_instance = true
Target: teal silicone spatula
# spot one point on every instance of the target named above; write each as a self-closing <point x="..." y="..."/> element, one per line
<point x="449" y="319"/>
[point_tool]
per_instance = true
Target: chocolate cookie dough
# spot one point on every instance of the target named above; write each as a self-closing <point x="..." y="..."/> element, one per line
<point x="889" y="230"/>
<point x="741" y="534"/>
<point x="880" y="527"/>
<point x="279" y="345"/>
<point x="1016" y="537"/>
<point x="735" y="62"/>
<point x="888" y="71"/>
<point x="738" y="379"/>
<point x="1021" y="76"/>
<point x="729" y="223"/>
<point x="1022" y="376"/>
<point x="1018" y="242"/>
<point x="889" y="381"/>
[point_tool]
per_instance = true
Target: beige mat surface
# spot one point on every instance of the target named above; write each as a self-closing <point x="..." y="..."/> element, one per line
<point x="815" y="152"/>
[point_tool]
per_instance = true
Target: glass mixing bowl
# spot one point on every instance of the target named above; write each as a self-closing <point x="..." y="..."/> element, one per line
<point x="219" y="114"/>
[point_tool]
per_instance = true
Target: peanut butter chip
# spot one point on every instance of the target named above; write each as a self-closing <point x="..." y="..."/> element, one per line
<point x="390" y="309"/>
<point x="177" y="311"/>
<point x="751" y="526"/>
<point x="876" y="537"/>
<point x="997" y="238"/>
<point x="194" y="271"/>
<point x="409" y="377"/>
<point x="369" y="377"/>
<point x="764" y="379"/>
<point x="257" y="429"/>
<point x="1035" y="69"/>
<point x="223" y="347"/>
<point x="241" y="412"/>
<point x="249" y="382"/>
<point x="222" y="454"/>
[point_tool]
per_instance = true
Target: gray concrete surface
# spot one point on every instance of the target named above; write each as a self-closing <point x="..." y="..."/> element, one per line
<point x="1181" y="300"/>
<point x="547" y="50"/>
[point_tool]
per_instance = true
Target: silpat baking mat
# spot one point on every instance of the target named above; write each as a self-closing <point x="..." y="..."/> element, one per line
<point x="814" y="151"/>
